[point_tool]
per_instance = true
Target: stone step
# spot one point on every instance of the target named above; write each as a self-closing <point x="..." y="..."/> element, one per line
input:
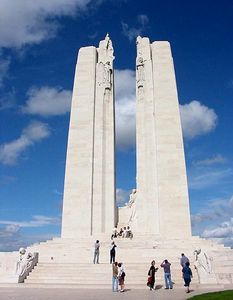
<point x="92" y="281"/>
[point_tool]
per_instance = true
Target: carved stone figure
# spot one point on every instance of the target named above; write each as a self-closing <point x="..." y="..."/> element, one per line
<point x="132" y="207"/>
<point x="203" y="265"/>
<point x="132" y="198"/>
<point x="140" y="72"/>
<point x="107" y="75"/>
<point x="105" y="59"/>
<point x="24" y="263"/>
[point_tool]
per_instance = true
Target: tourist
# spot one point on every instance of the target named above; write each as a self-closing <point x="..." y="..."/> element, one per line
<point x="167" y="274"/>
<point x="120" y="232"/>
<point x="114" y="233"/>
<point x="96" y="252"/>
<point x="129" y="233"/>
<point x="112" y="252"/>
<point x="115" y="277"/>
<point x="121" y="277"/>
<point x="187" y="275"/>
<point x="124" y="232"/>
<point x="183" y="260"/>
<point x="151" y="274"/>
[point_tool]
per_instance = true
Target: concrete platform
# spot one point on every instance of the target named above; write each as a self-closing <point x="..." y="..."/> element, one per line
<point x="20" y="292"/>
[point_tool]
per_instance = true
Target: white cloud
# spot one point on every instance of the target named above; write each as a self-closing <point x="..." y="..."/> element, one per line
<point x="197" y="119"/>
<point x="216" y="159"/>
<point x="215" y="222"/>
<point x="125" y="108"/>
<point x="132" y="32"/>
<point x="220" y="209"/>
<point x="122" y="196"/>
<point x="224" y="230"/>
<point x="12" y="241"/>
<point x="9" y="231"/>
<point x="34" y="132"/>
<point x="48" y="101"/>
<point x="208" y="178"/>
<point x="7" y="100"/>
<point x="37" y="221"/>
<point x="30" y="22"/>
<point x="4" y="67"/>
<point x="12" y="235"/>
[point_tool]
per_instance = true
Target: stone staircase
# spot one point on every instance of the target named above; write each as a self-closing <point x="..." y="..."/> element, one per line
<point x="70" y="262"/>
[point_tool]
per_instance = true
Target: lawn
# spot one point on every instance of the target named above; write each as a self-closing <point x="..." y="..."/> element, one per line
<point x="226" y="295"/>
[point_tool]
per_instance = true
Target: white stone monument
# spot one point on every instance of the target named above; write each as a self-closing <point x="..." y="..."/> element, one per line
<point x="157" y="211"/>
<point x="89" y="193"/>
<point x="162" y="202"/>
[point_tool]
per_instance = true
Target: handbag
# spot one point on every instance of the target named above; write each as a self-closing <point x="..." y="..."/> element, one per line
<point x="149" y="280"/>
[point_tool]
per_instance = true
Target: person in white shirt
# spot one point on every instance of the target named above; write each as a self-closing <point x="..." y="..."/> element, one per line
<point x="121" y="276"/>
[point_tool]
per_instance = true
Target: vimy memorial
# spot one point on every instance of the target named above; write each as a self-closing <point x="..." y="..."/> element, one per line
<point x="157" y="214"/>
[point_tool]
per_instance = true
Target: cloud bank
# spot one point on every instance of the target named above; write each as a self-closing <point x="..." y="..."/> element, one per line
<point x="216" y="159"/>
<point x="216" y="222"/>
<point x="31" y="22"/>
<point x="34" y="132"/>
<point x="125" y="108"/>
<point x="47" y="101"/>
<point x="197" y="119"/>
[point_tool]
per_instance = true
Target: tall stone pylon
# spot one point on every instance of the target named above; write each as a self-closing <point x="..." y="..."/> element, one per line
<point x="162" y="205"/>
<point x="89" y="206"/>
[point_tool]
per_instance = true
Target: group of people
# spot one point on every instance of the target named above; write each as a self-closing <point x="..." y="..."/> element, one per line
<point x="118" y="270"/>
<point x="97" y="252"/>
<point x="118" y="277"/>
<point x="125" y="232"/>
<point x="166" y="265"/>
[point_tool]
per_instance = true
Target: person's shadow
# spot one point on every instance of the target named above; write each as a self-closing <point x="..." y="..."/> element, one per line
<point x="127" y="290"/>
<point x="158" y="286"/>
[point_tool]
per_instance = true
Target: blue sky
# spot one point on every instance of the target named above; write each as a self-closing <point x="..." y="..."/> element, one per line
<point x="39" y="41"/>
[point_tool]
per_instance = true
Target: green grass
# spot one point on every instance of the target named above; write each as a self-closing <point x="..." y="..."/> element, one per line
<point x="226" y="295"/>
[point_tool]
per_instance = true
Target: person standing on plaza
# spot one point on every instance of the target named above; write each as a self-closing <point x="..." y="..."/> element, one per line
<point x="112" y="252"/>
<point x="183" y="260"/>
<point x="187" y="275"/>
<point x="151" y="274"/>
<point x="167" y="274"/>
<point x="96" y="252"/>
<point x="115" y="281"/>
<point x="121" y="277"/>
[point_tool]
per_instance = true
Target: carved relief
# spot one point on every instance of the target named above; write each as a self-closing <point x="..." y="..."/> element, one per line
<point x="203" y="265"/>
<point x="105" y="63"/>
<point x="140" y="69"/>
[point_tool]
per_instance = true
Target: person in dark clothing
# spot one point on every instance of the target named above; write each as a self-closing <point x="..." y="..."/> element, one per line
<point x="97" y="252"/>
<point x="151" y="274"/>
<point x="112" y="252"/>
<point x="187" y="275"/>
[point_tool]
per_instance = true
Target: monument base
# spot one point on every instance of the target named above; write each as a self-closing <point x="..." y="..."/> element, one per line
<point x="70" y="261"/>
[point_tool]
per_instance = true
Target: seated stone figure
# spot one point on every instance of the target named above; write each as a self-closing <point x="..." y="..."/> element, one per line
<point x="24" y="262"/>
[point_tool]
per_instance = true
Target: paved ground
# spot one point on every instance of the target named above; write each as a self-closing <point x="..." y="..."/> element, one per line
<point x="20" y="293"/>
